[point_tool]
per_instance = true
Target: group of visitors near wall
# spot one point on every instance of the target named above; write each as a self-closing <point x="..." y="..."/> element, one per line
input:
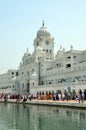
<point x="59" y="96"/>
<point x="80" y="96"/>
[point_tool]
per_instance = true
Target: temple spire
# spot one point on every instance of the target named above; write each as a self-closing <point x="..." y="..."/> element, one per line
<point x="27" y="50"/>
<point x="43" y="23"/>
<point x="71" y="47"/>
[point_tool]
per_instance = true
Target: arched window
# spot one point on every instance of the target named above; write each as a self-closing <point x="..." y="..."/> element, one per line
<point x="23" y="85"/>
<point x="28" y="73"/>
<point x="32" y="71"/>
<point x="33" y="84"/>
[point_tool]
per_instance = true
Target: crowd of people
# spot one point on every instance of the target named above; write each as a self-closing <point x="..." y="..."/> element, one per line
<point x="79" y="96"/>
<point x="59" y="96"/>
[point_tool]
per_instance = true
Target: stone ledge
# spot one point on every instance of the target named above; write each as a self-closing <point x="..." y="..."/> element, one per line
<point x="49" y="103"/>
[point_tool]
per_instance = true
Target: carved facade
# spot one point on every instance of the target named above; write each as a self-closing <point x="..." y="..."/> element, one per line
<point x="43" y="70"/>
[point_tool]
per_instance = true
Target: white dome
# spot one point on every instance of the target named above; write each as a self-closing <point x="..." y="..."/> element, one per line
<point x="27" y="53"/>
<point x="26" y="58"/>
<point x="43" y="31"/>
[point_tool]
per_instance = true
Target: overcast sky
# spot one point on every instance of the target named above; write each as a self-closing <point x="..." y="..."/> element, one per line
<point x="21" y="19"/>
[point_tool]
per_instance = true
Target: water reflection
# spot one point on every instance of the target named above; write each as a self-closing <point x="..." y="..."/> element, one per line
<point x="27" y="117"/>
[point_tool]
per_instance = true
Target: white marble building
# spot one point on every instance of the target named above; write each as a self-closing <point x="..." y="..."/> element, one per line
<point x="44" y="71"/>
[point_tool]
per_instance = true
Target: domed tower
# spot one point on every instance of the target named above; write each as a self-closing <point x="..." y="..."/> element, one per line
<point x="26" y="59"/>
<point x="45" y="41"/>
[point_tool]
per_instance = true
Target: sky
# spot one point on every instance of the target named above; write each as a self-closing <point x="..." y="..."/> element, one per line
<point x="21" y="19"/>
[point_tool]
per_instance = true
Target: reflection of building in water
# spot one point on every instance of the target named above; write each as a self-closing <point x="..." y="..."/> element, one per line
<point x="75" y="115"/>
<point x="58" y="117"/>
<point x="41" y="114"/>
<point x="44" y="71"/>
<point x="25" y="117"/>
<point x="11" y="115"/>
